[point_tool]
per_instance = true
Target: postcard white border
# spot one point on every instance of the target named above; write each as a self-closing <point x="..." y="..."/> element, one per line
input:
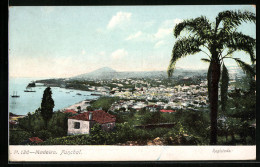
<point x="129" y="153"/>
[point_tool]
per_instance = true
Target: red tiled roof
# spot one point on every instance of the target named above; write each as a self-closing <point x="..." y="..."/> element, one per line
<point x="99" y="116"/>
<point x="70" y="111"/>
<point x="35" y="139"/>
<point x="167" y="111"/>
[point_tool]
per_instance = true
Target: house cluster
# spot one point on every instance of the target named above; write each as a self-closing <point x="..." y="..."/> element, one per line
<point x="178" y="97"/>
<point x="83" y="122"/>
<point x="103" y="90"/>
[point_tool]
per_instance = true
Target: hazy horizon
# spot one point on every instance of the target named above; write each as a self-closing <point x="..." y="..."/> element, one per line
<point x="62" y="42"/>
<point x="178" y="68"/>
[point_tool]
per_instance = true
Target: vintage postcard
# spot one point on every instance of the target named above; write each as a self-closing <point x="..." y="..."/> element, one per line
<point x="132" y="83"/>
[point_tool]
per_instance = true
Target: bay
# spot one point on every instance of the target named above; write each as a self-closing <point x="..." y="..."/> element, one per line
<point x="30" y="101"/>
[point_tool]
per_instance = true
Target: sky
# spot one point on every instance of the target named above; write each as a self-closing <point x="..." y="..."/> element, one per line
<point x="65" y="41"/>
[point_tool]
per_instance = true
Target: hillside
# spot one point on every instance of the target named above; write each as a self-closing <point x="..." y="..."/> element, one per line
<point x="109" y="73"/>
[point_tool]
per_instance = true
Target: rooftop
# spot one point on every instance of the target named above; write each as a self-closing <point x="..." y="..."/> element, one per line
<point x="70" y="111"/>
<point x="35" y="139"/>
<point x="99" y="116"/>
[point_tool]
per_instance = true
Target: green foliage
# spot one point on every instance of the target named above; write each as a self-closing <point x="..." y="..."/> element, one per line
<point x="182" y="48"/>
<point x="196" y="122"/>
<point x="68" y="140"/>
<point x="122" y="117"/>
<point x="224" y="87"/>
<point x="242" y="105"/>
<point x="205" y="60"/>
<point x="232" y="19"/>
<point x="124" y="132"/>
<point x="152" y="118"/>
<point x="58" y="124"/>
<point x="43" y="134"/>
<point x="121" y="134"/>
<point x="104" y="103"/>
<point x="47" y="105"/>
<point x="199" y="26"/>
<point x="16" y="137"/>
<point x="180" y="136"/>
<point x="241" y="42"/>
<point x="89" y="108"/>
<point x="142" y="111"/>
<point x="32" y="122"/>
<point x="236" y="128"/>
<point x="215" y="37"/>
<point x="249" y="70"/>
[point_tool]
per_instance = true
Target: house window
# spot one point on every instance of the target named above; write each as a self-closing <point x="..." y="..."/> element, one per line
<point x="76" y="125"/>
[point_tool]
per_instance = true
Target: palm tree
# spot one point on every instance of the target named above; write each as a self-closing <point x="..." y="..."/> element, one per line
<point x="221" y="39"/>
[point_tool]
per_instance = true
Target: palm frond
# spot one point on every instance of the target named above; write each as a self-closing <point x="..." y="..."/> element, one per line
<point x="205" y="60"/>
<point x="182" y="48"/>
<point x="224" y="87"/>
<point x="229" y="53"/>
<point x="239" y="41"/>
<point x="200" y="26"/>
<point x="248" y="69"/>
<point x="232" y="19"/>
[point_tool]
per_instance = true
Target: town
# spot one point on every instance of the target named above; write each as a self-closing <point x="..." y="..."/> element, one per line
<point x="153" y="93"/>
<point x="143" y="105"/>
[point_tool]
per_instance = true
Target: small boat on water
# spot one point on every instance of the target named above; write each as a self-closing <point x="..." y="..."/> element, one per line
<point x="78" y="94"/>
<point x="15" y="95"/>
<point x="95" y="94"/>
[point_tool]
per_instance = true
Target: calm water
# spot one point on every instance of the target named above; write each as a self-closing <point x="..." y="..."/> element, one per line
<point x="30" y="101"/>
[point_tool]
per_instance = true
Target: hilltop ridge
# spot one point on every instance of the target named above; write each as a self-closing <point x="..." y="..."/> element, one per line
<point x="109" y="73"/>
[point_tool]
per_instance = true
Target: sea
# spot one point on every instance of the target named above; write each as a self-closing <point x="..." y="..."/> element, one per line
<point x="30" y="101"/>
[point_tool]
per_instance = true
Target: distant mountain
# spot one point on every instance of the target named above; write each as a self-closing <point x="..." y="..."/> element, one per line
<point x="109" y="73"/>
<point x="103" y="73"/>
<point x="104" y="69"/>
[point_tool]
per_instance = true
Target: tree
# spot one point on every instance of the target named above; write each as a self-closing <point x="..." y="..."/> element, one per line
<point x="221" y="40"/>
<point x="47" y="105"/>
<point x="89" y="108"/>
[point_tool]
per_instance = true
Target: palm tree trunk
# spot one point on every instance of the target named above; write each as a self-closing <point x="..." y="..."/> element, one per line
<point x="214" y="100"/>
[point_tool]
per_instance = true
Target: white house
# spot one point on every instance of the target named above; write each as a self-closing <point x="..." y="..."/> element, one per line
<point x="82" y="123"/>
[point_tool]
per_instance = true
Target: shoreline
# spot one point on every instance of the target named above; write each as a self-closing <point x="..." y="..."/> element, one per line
<point x="83" y="104"/>
<point x="72" y="103"/>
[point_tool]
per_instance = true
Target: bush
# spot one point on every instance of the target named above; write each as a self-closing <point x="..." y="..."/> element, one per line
<point x="43" y="134"/>
<point x="89" y="108"/>
<point x="68" y="140"/>
<point x="104" y="103"/>
<point x="152" y="118"/>
<point x="58" y="124"/>
<point x="32" y="122"/>
<point x="180" y="136"/>
<point x="17" y="137"/>
<point x="121" y="134"/>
